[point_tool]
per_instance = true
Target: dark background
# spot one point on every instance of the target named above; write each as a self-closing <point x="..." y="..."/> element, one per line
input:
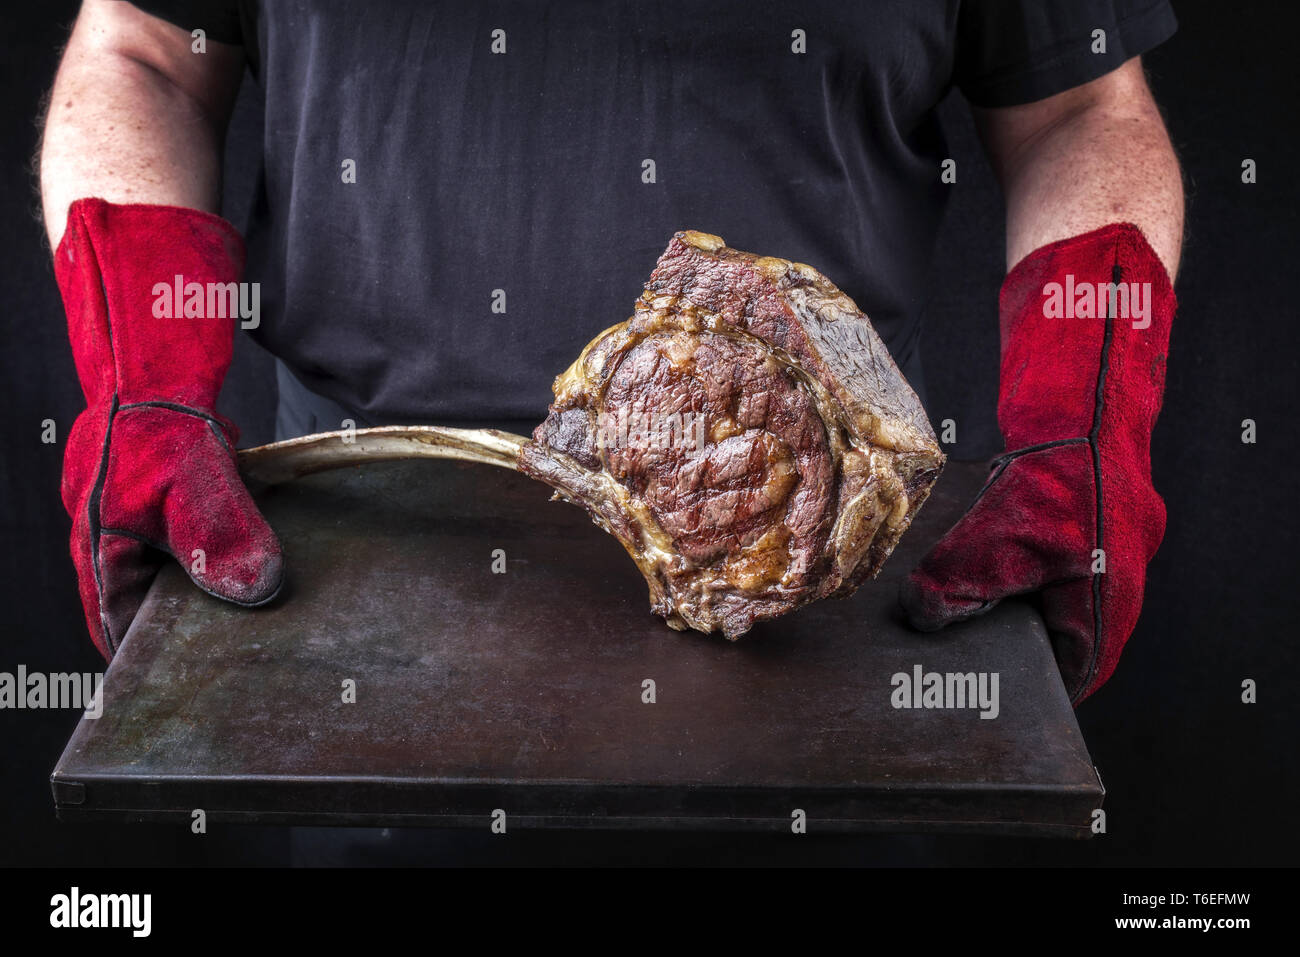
<point x="1194" y="777"/>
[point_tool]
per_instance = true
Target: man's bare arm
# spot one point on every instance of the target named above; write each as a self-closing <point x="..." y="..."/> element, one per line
<point x="135" y="116"/>
<point x="1087" y="157"/>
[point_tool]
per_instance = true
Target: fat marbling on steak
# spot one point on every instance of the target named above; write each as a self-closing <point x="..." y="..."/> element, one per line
<point x="745" y="435"/>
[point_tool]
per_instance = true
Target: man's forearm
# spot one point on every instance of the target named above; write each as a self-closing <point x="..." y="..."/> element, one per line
<point x="135" y="116"/>
<point x="1092" y="156"/>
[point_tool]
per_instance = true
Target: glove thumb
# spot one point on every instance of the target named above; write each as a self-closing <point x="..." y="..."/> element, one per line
<point x="1022" y="532"/>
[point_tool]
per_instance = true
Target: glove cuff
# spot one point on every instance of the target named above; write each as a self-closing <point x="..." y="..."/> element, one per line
<point x="1085" y="330"/>
<point x="152" y="294"/>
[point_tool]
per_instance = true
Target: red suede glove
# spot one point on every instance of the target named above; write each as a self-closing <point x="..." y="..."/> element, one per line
<point x="150" y="467"/>
<point x="1079" y="396"/>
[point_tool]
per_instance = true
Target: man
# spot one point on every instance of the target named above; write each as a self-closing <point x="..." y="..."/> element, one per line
<point x="454" y="200"/>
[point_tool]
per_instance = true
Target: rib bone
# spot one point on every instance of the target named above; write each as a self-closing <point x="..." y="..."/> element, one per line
<point x="292" y="458"/>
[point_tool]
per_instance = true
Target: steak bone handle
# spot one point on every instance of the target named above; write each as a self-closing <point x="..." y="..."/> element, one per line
<point x="293" y="458"/>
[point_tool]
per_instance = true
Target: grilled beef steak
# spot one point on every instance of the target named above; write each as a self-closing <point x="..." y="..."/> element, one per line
<point x="745" y="435"/>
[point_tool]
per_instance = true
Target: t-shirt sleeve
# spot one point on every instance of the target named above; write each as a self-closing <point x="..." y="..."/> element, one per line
<point x="1017" y="51"/>
<point x="219" y="19"/>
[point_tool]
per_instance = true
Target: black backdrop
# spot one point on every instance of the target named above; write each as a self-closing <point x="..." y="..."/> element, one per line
<point x="1194" y="776"/>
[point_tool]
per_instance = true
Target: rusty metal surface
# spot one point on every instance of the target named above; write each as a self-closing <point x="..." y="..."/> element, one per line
<point x="523" y="691"/>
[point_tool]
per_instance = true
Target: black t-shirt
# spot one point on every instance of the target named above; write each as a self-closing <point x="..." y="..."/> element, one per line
<point x="550" y="175"/>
